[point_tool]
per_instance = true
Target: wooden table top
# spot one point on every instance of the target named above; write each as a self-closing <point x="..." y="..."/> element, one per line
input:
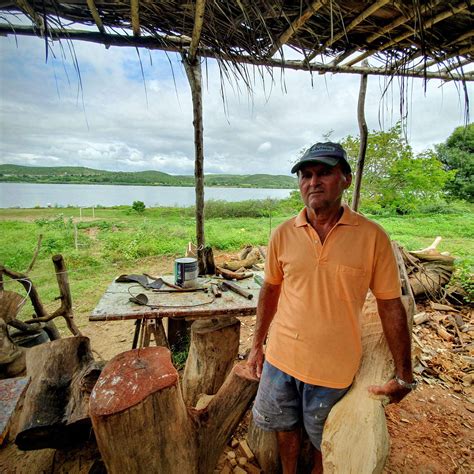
<point x="115" y="305"/>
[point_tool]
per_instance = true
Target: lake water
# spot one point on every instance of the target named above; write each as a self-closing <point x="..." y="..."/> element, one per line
<point x="88" y="195"/>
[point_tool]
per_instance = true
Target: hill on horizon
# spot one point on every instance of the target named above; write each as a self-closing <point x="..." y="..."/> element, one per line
<point x="83" y="175"/>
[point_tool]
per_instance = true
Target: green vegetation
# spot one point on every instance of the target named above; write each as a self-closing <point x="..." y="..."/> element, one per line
<point x="397" y="180"/>
<point x="457" y="155"/>
<point x="118" y="241"/>
<point x="138" y="206"/>
<point x="80" y="175"/>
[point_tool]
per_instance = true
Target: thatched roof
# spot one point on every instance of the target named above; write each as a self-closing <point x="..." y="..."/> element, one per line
<point x="411" y="38"/>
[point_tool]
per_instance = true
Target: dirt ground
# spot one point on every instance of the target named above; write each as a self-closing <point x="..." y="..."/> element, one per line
<point x="431" y="430"/>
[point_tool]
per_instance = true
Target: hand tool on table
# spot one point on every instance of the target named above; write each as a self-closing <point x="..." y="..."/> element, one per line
<point x="258" y="280"/>
<point x="215" y="290"/>
<point x="236" y="289"/>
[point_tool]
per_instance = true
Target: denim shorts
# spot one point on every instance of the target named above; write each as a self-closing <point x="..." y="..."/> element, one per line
<point x="284" y="403"/>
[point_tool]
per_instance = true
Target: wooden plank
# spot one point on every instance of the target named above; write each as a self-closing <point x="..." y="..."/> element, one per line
<point x="115" y="304"/>
<point x="11" y="391"/>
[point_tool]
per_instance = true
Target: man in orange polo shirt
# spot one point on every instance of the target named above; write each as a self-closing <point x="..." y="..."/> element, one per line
<point x="320" y="265"/>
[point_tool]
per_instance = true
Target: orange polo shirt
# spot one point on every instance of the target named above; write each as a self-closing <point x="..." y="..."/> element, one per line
<point x="315" y="335"/>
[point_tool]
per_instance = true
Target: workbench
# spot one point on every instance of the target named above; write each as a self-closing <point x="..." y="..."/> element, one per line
<point x="174" y="307"/>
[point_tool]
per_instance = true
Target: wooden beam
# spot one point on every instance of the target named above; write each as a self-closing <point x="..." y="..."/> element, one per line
<point x="461" y="52"/>
<point x="356" y="21"/>
<point x="457" y="65"/>
<point x="198" y="22"/>
<point x="383" y="31"/>
<point x="135" y="16"/>
<point x="30" y="12"/>
<point x="153" y="43"/>
<point x="295" y="26"/>
<point x="95" y="15"/>
<point x="429" y="23"/>
<point x="463" y="37"/>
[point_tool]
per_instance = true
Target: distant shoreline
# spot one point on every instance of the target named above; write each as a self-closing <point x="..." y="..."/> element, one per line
<point x="108" y="183"/>
<point x="88" y="176"/>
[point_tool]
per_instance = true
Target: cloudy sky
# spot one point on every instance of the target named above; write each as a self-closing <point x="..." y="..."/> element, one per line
<point x="112" y="118"/>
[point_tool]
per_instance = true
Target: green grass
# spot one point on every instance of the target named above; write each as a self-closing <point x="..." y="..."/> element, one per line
<point x="119" y="241"/>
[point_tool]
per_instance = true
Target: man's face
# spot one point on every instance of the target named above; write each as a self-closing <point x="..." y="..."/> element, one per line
<point x="322" y="186"/>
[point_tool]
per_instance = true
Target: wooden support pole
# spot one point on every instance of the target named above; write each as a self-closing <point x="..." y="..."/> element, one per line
<point x="193" y="71"/>
<point x="363" y="142"/>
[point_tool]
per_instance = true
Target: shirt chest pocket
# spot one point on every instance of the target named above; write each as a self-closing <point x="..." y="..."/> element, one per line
<point x="351" y="283"/>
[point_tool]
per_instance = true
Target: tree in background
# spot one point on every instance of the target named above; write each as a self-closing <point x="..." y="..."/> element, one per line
<point x="395" y="179"/>
<point x="457" y="155"/>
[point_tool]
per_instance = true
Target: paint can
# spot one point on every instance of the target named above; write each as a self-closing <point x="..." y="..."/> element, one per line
<point x="186" y="272"/>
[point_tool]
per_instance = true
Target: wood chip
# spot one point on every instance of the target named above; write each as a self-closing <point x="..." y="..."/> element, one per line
<point x="442" y="307"/>
<point x="246" y="451"/>
<point x="421" y="317"/>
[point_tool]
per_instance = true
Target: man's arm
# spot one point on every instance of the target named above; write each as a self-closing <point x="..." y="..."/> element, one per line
<point x="395" y="327"/>
<point x="266" y="309"/>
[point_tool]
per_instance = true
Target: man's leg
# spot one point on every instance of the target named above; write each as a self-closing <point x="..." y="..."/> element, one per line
<point x="317" y="403"/>
<point x="318" y="462"/>
<point x="289" y="443"/>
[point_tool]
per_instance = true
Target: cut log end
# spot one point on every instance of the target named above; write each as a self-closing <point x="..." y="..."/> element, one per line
<point x="117" y="391"/>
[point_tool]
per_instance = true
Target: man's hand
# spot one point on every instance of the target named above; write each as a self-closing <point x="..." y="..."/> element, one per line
<point x="255" y="361"/>
<point x="391" y="389"/>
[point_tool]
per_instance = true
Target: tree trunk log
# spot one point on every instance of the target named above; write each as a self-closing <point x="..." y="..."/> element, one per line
<point x="141" y="421"/>
<point x="139" y="417"/>
<point x="55" y="413"/>
<point x="223" y="414"/>
<point x="12" y="357"/>
<point x="214" y="347"/>
<point x="264" y="446"/>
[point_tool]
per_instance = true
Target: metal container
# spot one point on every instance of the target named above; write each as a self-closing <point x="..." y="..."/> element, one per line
<point x="186" y="272"/>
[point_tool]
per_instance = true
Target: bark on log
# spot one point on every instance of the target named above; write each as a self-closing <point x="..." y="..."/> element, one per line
<point x="264" y="445"/>
<point x="139" y="417"/>
<point x="213" y="349"/>
<point x="223" y="414"/>
<point x="12" y="357"/>
<point x="55" y="413"/>
<point x="65" y="294"/>
<point x="141" y="421"/>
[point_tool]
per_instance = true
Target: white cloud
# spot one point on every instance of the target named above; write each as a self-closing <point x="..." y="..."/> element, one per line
<point x="265" y="146"/>
<point x="119" y="121"/>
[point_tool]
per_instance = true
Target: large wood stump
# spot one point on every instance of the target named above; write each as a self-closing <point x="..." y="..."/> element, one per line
<point x="55" y="413"/>
<point x="142" y="423"/>
<point x="355" y="437"/>
<point x="213" y="349"/>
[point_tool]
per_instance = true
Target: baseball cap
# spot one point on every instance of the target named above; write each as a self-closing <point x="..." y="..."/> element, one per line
<point x="328" y="153"/>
